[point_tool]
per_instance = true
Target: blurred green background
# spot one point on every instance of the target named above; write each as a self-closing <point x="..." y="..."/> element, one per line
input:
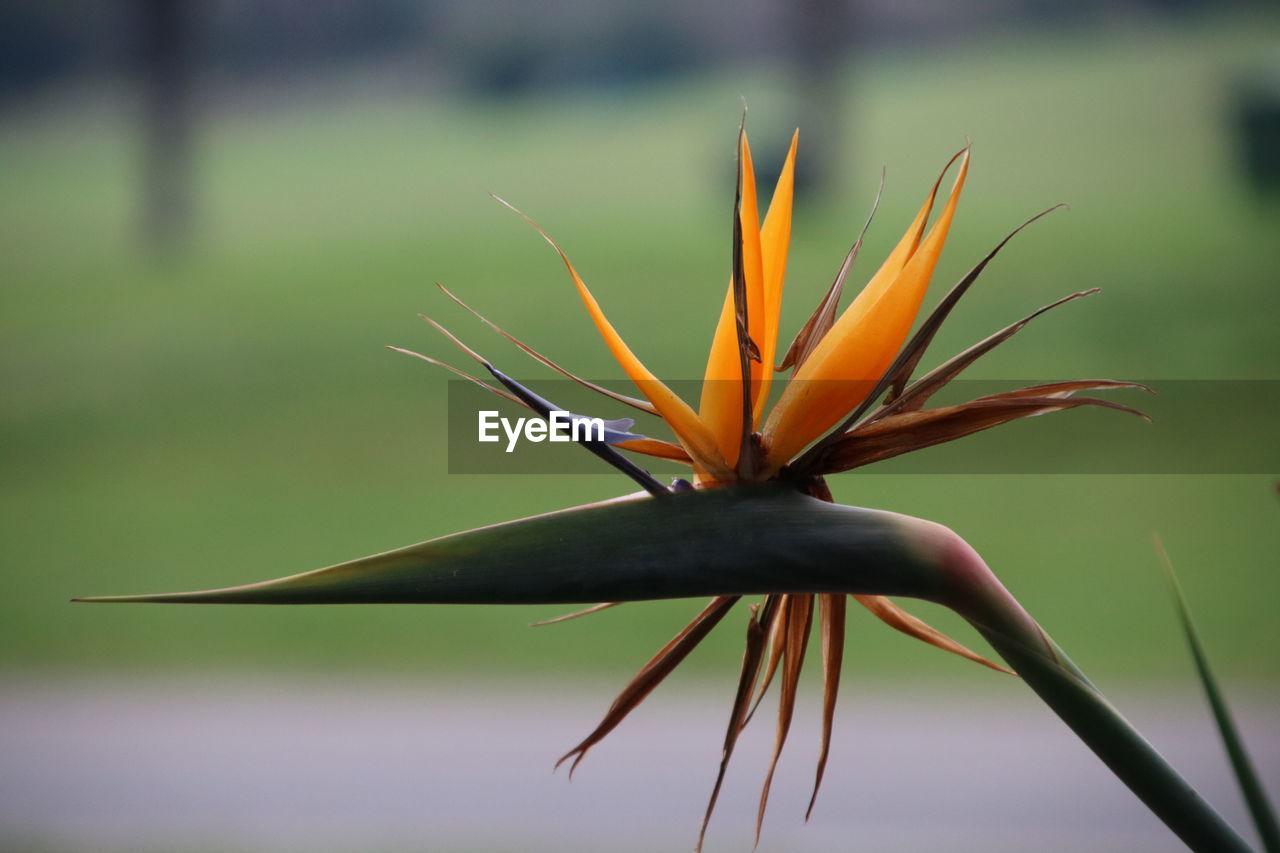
<point x="217" y="407"/>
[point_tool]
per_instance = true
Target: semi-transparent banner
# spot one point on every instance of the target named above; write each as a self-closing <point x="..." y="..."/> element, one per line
<point x="1225" y="427"/>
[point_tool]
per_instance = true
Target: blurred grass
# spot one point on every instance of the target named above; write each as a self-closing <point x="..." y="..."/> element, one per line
<point x="234" y="416"/>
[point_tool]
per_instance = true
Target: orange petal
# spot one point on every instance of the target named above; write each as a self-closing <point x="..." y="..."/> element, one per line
<point x="775" y="239"/>
<point x="684" y="422"/>
<point x="655" y="447"/>
<point x="721" y="404"/>
<point x="764" y="258"/>
<point x="752" y="260"/>
<point x="862" y="344"/>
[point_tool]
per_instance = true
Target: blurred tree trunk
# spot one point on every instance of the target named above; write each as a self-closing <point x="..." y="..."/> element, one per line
<point x="166" y="53"/>
<point x="820" y="32"/>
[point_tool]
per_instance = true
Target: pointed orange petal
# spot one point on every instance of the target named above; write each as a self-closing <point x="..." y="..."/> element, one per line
<point x="775" y="239"/>
<point x="721" y="404"/>
<point x="655" y="447"/>
<point x="752" y="259"/>
<point x="895" y="617"/>
<point x="684" y="422"/>
<point x="862" y="344"/>
<point x="824" y="315"/>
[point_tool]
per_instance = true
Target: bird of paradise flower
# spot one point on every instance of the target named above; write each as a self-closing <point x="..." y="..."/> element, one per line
<point x="758" y="519"/>
<point x="850" y="400"/>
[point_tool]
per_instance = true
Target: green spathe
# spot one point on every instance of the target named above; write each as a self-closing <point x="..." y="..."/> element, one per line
<point x="745" y="541"/>
<point x="737" y="541"/>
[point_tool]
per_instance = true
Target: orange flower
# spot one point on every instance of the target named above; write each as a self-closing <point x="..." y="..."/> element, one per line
<point x="849" y="401"/>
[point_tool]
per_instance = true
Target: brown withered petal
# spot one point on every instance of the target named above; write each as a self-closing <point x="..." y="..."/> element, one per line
<point x="799" y="620"/>
<point x="748" y="351"/>
<point x="913" y="626"/>
<point x="776" y="634"/>
<point x="449" y="367"/>
<point x="918" y="393"/>
<point x="457" y="342"/>
<point x="751" y="658"/>
<point x="1065" y="389"/>
<point x="652" y="673"/>
<point x="642" y="405"/>
<point x="915" y="348"/>
<point x="824" y="316"/>
<point x="595" y="608"/>
<point x="831" y="625"/>
<point x="904" y="432"/>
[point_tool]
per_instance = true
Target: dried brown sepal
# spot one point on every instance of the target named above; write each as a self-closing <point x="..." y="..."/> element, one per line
<point x="651" y="675"/>
<point x="831" y="626"/>
<point x="449" y="367"/>
<point x="913" y="430"/>
<point x="824" y="316"/>
<point x="918" y="393"/>
<point x="799" y="620"/>
<point x="911" y="354"/>
<point x="595" y="608"/>
<point x="453" y="339"/>
<point x="751" y="658"/>
<point x="913" y="626"/>
<point x="642" y="405"/>
<point x="748" y="351"/>
<point x="776" y="632"/>
<point x="1066" y="389"/>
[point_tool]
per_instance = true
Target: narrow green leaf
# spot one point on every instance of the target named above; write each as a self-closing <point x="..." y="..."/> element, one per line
<point x="1255" y="795"/>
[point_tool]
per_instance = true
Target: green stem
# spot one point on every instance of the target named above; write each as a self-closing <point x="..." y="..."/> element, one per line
<point x="978" y="596"/>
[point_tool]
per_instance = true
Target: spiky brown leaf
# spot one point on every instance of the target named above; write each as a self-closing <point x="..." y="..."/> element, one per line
<point x="831" y="624"/>
<point x="652" y="674"/>
<point x="913" y="430"/>
<point x="595" y="608"/>
<point x="915" y="348"/>
<point x="751" y="657"/>
<point x="775" y="629"/>
<point x="915" y="395"/>
<point x="449" y="367"/>
<point x="799" y="620"/>
<point x="642" y="405"/>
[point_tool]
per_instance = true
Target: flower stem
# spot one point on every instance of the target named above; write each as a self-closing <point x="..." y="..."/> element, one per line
<point x="977" y="595"/>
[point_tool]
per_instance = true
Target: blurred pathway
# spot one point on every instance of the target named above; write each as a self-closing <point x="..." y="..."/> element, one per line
<point x="352" y="764"/>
